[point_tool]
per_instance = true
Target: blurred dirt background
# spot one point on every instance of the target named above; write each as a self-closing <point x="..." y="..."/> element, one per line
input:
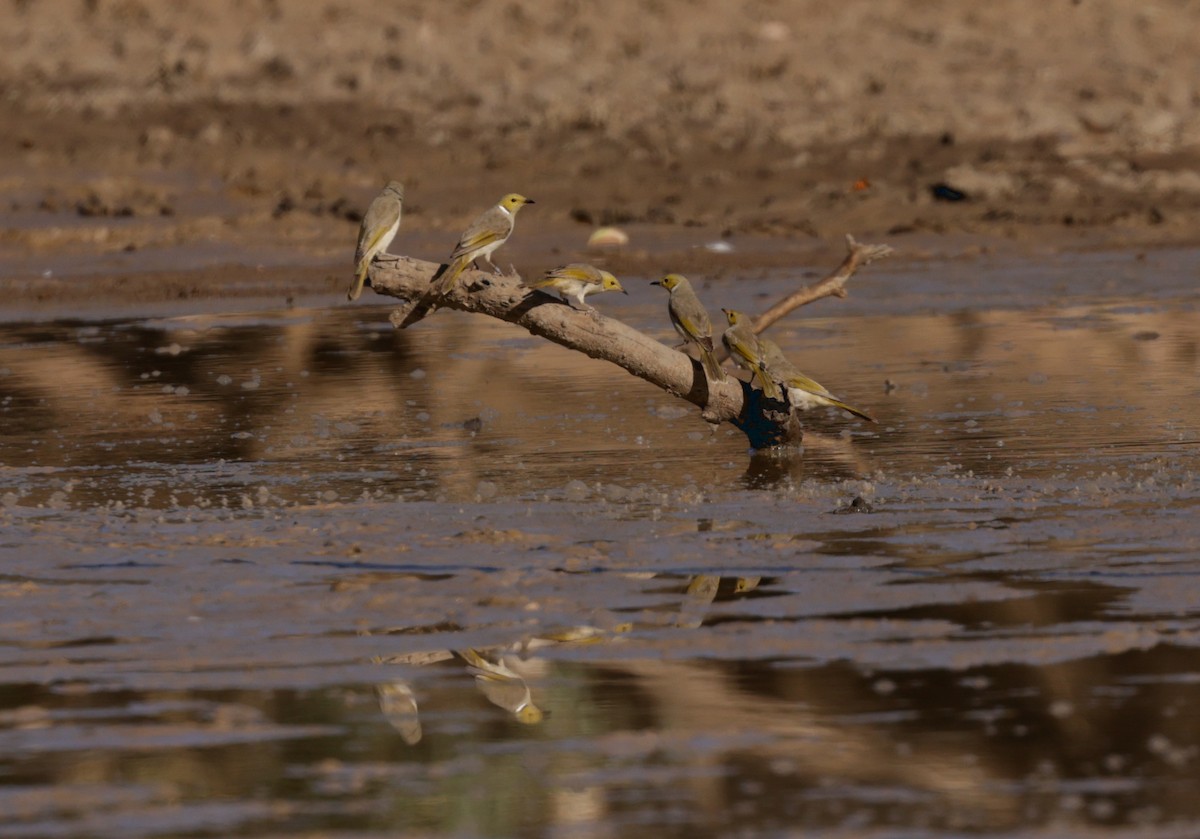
<point x="189" y="149"/>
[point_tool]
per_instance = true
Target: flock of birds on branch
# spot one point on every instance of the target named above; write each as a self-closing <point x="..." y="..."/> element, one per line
<point x="762" y="357"/>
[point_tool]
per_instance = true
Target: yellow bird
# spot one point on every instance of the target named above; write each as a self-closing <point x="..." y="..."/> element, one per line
<point x="743" y="348"/>
<point x="803" y="392"/>
<point x="690" y="319"/>
<point x="576" y="281"/>
<point x="376" y="232"/>
<point x="480" y="240"/>
<point x="503" y="687"/>
<point x="399" y="706"/>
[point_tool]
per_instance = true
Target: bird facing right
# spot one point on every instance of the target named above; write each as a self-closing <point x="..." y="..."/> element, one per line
<point x="503" y="687"/>
<point x="576" y="281"/>
<point x="803" y="392"/>
<point x="480" y="240"/>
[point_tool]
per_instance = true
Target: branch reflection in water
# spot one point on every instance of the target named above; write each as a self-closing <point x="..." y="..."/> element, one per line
<point x="704" y="714"/>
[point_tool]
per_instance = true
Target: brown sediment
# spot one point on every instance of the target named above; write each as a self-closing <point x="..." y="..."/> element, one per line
<point x="147" y="140"/>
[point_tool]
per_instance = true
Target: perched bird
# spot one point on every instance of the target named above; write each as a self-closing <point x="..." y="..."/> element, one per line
<point x="690" y="320"/>
<point x="576" y="281"/>
<point x="480" y="240"/>
<point x="376" y="232"/>
<point x="503" y="687"/>
<point x="802" y="391"/>
<point x="743" y="348"/>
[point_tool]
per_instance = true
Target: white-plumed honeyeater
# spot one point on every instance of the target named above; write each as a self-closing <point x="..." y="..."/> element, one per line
<point x="480" y="240"/>
<point x="743" y="348"/>
<point x="803" y="392"/>
<point x="503" y="687"/>
<point x="576" y="281"/>
<point x="399" y="706"/>
<point x="376" y="232"/>
<point x="690" y="319"/>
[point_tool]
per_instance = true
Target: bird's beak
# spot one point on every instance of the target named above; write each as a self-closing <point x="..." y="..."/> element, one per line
<point x="656" y="282"/>
<point x="623" y="291"/>
<point x="530" y="201"/>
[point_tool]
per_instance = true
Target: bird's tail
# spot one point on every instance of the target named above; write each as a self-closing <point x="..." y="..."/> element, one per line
<point x="443" y="284"/>
<point x="360" y="277"/>
<point x="769" y="388"/>
<point x="711" y="366"/>
<point x="837" y="403"/>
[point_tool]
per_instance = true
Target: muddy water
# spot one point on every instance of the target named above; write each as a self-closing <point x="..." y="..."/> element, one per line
<point x="295" y="573"/>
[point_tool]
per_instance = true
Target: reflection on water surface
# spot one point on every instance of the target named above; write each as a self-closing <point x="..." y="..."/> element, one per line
<point x="336" y="406"/>
<point x="300" y="574"/>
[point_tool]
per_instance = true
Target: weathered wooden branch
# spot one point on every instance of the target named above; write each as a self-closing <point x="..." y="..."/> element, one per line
<point x="832" y="286"/>
<point x="765" y="422"/>
<point x="505" y="297"/>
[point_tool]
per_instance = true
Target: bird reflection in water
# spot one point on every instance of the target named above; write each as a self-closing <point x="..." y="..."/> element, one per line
<point x="507" y="675"/>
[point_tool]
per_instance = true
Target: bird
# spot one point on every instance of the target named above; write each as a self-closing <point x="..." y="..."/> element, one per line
<point x="480" y="240"/>
<point x="399" y="705"/>
<point x="743" y="348"/>
<point x="574" y="635"/>
<point x="803" y="392"/>
<point x="690" y="320"/>
<point x="576" y="281"/>
<point x="376" y="232"/>
<point x="503" y="687"/>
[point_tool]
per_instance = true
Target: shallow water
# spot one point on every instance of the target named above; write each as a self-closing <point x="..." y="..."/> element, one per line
<point x="245" y="560"/>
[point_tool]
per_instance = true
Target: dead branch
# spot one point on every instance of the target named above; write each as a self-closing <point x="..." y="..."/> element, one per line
<point x="765" y="422"/>
<point x="832" y="286"/>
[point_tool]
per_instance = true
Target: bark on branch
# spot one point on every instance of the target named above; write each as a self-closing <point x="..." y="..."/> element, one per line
<point x="765" y="422"/>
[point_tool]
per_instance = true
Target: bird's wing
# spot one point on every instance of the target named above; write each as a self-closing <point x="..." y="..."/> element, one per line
<point x="571" y="274"/>
<point x="800" y="381"/>
<point x="502" y="687"/>
<point x="372" y="243"/>
<point x="690" y="306"/>
<point x="481" y="668"/>
<point x="578" y="272"/>
<point x="473" y="241"/>
<point x="689" y="327"/>
<point x="492" y="226"/>
<point x="738" y="345"/>
<point x="381" y="215"/>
